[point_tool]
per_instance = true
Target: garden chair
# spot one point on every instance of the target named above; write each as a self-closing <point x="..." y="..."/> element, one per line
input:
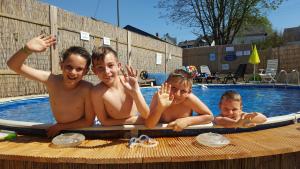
<point x="205" y="74"/>
<point x="239" y="73"/>
<point x="269" y="74"/>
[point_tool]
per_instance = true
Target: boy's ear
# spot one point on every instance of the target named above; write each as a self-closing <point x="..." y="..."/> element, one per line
<point x="119" y="65"/>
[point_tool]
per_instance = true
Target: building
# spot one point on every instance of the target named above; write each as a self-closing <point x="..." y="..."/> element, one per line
<point x="291" y="35"/>
<point x="193" y="43"/>
<point x="250" y="38"/>
<point x="169" y="39"/>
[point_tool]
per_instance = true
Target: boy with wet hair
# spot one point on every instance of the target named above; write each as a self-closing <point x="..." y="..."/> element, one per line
<point x="232" y="116"/>
<point x="175" y="102"/>
<point x="69" y="95"/>
<point x="117" y="98"/>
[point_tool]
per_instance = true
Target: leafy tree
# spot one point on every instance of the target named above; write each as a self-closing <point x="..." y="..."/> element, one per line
<point x="218" y="20"/>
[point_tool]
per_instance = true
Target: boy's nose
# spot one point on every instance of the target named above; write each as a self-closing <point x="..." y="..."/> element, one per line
<point x="177" y="92"/>
<point x="106" y="70"/>
<point x="73" y="71"/>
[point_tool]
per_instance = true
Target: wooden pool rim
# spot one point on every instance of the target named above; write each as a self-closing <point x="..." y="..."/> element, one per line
<point x="271" y="148"/>
<point x="98" y="131"/>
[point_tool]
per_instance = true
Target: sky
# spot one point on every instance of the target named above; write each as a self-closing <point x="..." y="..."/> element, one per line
<point x="143" y="15"/>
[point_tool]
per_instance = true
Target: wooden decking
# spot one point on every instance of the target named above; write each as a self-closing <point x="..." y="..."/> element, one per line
<point x="250" y="149"/>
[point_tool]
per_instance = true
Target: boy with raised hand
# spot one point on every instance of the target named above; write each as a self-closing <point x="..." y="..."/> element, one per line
<point x="69" y="95"/>
<point x="117" y="99"/>
<point x="232" y="116"/>
<point x="175" y="102"/>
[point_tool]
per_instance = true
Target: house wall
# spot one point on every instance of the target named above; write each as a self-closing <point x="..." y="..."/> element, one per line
<point x="23" y="20"/>
<point x="288" y="58"/>
<point x="202" y="56"/>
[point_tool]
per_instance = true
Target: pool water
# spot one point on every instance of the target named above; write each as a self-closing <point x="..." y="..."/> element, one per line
<point x="268" y="100"/>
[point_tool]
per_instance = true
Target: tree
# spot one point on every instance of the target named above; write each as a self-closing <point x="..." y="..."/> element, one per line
<point x="218" y="20"/>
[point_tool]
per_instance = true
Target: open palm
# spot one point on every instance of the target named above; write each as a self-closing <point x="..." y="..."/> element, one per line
<point x="130" y="81"/>
<point x="164" y="95"/>
<point x="40" y="43"/>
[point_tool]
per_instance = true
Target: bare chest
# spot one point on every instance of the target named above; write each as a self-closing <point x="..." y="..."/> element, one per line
<point x="118" y="105"/>
<point x="67" y="106"/>
<point x="176" y="111"/>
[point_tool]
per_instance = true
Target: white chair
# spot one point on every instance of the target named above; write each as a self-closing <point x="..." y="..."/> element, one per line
<point x="207" y="75"/>
<point x="269" y="74"/>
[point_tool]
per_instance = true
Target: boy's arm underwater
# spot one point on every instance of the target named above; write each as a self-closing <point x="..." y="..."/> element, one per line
<point x="205" y="115"/>
<point x="37" y="44"/>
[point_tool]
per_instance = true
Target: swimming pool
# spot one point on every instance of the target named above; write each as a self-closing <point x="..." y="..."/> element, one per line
<point x="280" y="103"/>
<point x="270" y="100"/>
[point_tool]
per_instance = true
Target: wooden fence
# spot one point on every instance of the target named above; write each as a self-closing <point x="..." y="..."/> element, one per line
<point x="23" y="20"/>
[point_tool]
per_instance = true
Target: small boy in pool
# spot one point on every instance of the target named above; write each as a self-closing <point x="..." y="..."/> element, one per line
<point x="69" y="95"/>
<point x="232" y="116"/>
<point x="175" y="102"/>
<point x="117" y="99"/>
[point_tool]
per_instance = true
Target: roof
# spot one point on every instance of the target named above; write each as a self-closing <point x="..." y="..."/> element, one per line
<point x="141" y="32"/>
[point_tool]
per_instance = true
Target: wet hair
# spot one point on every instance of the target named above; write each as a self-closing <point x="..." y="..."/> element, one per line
<point x="231" y="95"/>
<point x="181" y="76"/>
<point x="78" y="51"/>
<point x="99" y="53"/>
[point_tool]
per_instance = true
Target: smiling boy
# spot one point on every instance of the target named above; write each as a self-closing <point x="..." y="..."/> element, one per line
<point x="116" y="99"/>
<point x="232" y="116"/>
<point x="175" y="102"/>
<point x="69" y="95"/>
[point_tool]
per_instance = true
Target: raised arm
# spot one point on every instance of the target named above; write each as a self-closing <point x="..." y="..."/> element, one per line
<point x="37" y="44"/>
<point x="160" y="102"/>
<point x="131" y="86"/>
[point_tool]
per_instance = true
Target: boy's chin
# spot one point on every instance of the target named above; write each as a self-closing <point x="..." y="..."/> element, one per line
<point x="177" y="101"/>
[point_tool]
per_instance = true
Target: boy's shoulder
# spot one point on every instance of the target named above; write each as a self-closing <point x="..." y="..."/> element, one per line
<point x="100" y="87"/>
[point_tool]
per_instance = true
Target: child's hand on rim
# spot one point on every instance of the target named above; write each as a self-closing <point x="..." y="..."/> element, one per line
<point x="178" y="125"/>
<point x="246" y="120"/>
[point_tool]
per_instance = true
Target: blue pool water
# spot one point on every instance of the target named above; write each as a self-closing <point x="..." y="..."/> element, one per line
<point x="266" y="99"/>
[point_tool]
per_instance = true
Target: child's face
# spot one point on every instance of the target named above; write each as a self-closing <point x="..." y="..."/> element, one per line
<point x="107" y="69"/>
<point x="180" y="92"/>
<point x="73" y="69"/>
<point x="230" y="108"/>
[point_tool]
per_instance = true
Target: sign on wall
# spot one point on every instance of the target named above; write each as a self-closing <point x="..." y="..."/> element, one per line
<point x="158" y="58"/>
<point x="247" y="52"/>
<point x="106" y="41"/>
<point x="212" y="56"/>
<point x="84" y="35"/>
<point x="225" y="66"/>
<point x="229" y="49"/>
